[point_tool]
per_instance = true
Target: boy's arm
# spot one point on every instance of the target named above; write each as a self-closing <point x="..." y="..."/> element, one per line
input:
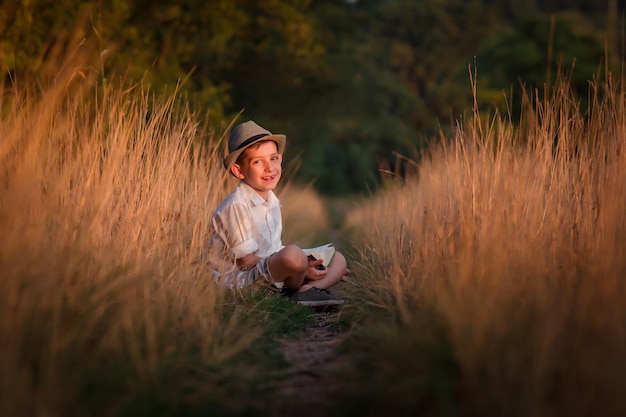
<point x="232" y="222"/>
<point x="248" y="262"/>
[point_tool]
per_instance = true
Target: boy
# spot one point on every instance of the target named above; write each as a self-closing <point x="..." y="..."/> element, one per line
<point x="247" y="226"/>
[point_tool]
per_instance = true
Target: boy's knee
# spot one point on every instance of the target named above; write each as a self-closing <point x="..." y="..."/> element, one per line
<point x="339" y="260"/>
<point x="295" y="258"/>
<point x="291" y="257"/>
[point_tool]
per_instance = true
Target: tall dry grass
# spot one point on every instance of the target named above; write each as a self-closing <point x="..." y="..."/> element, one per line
<point x="305" y="220"/>
<point x="512" y="241"/>
<point x="105" y="201"/>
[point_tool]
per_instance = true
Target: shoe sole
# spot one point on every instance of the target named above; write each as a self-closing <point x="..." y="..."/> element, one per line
<point x="321" y="303"/>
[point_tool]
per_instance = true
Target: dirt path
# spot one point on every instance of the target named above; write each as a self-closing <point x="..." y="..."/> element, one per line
<point x="309" y="383"/>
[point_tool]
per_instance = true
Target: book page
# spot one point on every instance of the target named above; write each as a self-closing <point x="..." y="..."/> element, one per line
<point x="324" y="252"/>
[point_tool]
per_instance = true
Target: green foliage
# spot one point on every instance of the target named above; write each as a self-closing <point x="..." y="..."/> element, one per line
<point x="282" y="316"/>
<point x="520" y="56"/>
<point x="350" y="83"/>
<point x="350" y="115"/>
<point x="185" y="385"/>
<point x="163" y="43"/>
<point x="430" y="45"/>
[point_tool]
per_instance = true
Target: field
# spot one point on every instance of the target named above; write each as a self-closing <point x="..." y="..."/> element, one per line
<point x="495" y="273"/>
<point x="486" y="281"/>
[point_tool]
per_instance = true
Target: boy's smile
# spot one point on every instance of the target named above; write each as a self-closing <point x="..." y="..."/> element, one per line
<point x="260" y="167"/>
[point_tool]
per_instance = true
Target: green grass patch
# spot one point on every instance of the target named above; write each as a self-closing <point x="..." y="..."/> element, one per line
<point x="185" y="384"/>
<point x="407" y="373"/>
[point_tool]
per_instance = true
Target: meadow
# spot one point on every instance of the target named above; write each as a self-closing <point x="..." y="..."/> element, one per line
<point x="486" y="281"/>
<point x="106" y="303"/>
<point x="494" y="273"/>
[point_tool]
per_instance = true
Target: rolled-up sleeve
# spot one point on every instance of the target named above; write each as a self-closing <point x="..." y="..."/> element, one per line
<point x="232" y="223"/>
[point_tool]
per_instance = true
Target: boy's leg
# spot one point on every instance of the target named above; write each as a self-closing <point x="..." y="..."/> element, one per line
<point x="288" y="265"/>
<point x="337" y="269"/>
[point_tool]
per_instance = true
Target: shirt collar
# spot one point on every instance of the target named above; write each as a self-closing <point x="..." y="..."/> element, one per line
<point x="255" y="198"/>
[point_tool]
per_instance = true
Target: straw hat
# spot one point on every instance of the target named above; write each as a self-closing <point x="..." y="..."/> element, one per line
<point x="247" y="134"/>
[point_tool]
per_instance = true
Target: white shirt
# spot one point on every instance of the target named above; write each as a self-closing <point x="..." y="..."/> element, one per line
<point x="245" y="223"/>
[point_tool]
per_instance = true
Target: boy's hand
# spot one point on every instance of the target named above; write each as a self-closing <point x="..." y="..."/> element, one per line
<point x="315" y="270"/>
<point x="248" y="262"/>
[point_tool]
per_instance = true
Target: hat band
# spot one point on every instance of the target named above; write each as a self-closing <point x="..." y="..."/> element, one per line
<point x="250" y="140"/>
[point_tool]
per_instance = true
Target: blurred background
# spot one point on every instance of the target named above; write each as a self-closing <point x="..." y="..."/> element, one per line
<point x="487" y="281"/>
<point x="356" y="85"/>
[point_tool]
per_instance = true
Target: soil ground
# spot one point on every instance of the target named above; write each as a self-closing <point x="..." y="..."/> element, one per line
<point x="308" y="385"/>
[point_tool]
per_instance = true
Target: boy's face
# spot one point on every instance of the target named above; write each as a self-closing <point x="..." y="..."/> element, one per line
<point x="260" y="167"/>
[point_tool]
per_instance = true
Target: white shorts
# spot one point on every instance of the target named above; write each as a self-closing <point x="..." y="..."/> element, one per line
<point x="260" y="274"/>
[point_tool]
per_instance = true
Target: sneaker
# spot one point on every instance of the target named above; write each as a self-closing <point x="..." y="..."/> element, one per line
<point x="316" y="297"/>
<point x="284" y="292"/>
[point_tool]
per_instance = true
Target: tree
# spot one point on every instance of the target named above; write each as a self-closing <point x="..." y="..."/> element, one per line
<point x="346" y="112"/>
<point x="537" y="48"/>
<point x="351" y="83"/>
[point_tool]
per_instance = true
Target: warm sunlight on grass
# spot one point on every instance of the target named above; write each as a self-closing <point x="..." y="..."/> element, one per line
<point x="488" y="282"/>
<point x="304" y="216"/>
<point x="509" y="245"/>
<point x="105" y="201"/>
<point x="105" y="299"/>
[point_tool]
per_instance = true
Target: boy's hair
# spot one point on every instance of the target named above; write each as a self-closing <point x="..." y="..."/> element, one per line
<point x="244" y="136"/>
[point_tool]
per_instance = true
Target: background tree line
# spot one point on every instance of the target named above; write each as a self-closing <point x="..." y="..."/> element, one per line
<point x="352" y="83"/>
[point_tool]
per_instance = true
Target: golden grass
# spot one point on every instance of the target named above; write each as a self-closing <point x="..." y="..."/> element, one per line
<point x="515" y="237"/>
<point x="512" y="237"/>
<point x="305" y="221"/>
<point x="105" y="201"/>
<point x="106" y="196"/>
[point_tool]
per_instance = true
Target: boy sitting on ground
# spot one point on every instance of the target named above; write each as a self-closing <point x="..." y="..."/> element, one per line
<point x="247" y="226"/>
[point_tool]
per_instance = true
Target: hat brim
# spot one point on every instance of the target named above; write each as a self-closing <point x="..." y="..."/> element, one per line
<point x="231" y="158"/>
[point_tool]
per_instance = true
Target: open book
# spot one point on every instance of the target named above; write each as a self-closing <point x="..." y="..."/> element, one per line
<point x="324" y="252"/>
